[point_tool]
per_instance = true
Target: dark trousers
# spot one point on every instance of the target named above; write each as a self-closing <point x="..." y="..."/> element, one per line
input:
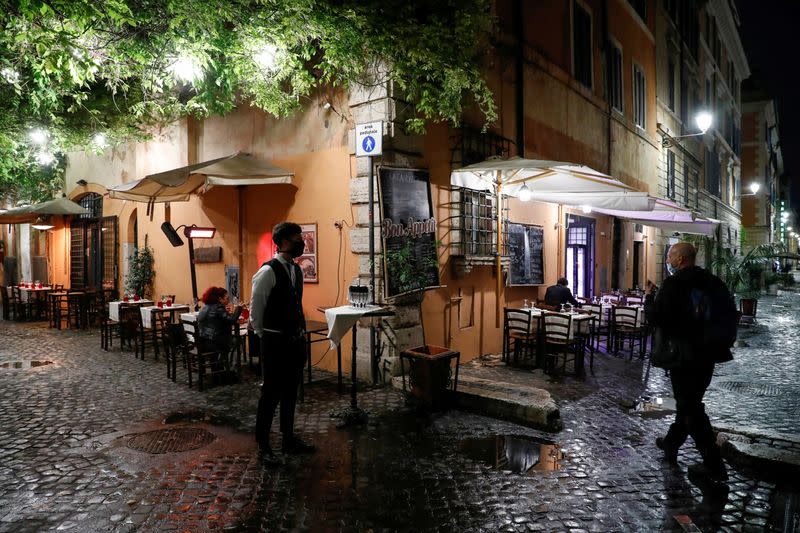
<point x="282" y="361"/>
<point x="689" y="386"/>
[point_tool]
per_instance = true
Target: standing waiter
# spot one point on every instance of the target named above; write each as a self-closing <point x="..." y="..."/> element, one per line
<point x="277" y="318"/>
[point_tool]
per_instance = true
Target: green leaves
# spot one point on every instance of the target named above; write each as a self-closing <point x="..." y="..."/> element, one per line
<point x="86" y="66"/>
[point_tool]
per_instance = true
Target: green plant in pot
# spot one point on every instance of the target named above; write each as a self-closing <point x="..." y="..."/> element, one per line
<point x="742" y="274"/>
<point x="140" y="276"/>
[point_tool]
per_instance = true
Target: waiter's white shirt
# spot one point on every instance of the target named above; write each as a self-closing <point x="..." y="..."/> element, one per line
<point x="263" y="283"/>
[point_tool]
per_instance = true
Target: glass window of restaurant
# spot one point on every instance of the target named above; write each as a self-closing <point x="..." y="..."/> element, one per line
<point x="580" y="255"/>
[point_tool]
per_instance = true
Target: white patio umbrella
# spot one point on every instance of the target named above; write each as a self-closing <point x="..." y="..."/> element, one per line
<point x="667" y="216"/>
<point x="547" y="181"/>
<point x="177" y="185"/>
<point x="58" y="206"/>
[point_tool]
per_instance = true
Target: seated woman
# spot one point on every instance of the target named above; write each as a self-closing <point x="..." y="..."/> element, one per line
<point x="215" y="321"/>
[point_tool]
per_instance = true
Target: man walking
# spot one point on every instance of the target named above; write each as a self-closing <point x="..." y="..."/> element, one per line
<point x="695" y="311"/>
<point x="277" y="317"/>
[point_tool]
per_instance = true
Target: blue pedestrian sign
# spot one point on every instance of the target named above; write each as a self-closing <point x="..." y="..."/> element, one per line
<point x="369" y="139"/>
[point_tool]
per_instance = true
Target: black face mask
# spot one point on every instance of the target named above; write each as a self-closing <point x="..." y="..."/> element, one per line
<point x="296" y="249"/>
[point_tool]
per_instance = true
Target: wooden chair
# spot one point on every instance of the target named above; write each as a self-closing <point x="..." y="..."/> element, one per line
<point x="519" y="334"/>
<point x="626" y="324"/>
<point x="21" y="307"/>
<point x="8" y="309"/>
<point x="198" y="357"/>
<point x="635" y="300"/>
<point x="108" y="328"/>
<point x="177" y="345"/>
<point x="130" y="320"/>
<point x="76" y="309"/>
<point x="598" y="328"/>
<point x="560" y="342"/>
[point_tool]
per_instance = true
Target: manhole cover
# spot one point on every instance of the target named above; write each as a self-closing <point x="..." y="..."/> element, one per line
<point x="24" y="364"/>
<point x="753" y="389"/>
<point x="171" y="440"/>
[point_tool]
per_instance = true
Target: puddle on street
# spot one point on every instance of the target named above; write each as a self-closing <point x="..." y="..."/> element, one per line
<point x="24" y="365"/>
<point x="521" y="455"/>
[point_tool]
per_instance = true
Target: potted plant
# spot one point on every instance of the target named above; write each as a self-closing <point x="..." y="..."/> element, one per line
<point x="742" y="274"/>
<point x="139" y="280"/>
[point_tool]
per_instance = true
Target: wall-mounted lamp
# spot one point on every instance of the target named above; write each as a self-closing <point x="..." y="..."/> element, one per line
<point x="754" y="188"/>
<point x="703" y="120"/>
<point x="82" y="183"/>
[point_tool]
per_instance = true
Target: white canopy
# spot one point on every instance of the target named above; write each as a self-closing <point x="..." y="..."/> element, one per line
<point x="178" y="184"/>
<point x="59" y="206"/>
<point x="551" y="181"/>
<point x="667" y="216"/>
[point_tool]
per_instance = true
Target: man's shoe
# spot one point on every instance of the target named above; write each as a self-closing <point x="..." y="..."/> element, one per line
<point x="670" y="454"/>
<point x="702" y="470"/>
<point x="296" y="445"/>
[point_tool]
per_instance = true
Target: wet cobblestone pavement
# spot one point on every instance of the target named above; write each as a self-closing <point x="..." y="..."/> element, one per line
<point x="66" y="461"/>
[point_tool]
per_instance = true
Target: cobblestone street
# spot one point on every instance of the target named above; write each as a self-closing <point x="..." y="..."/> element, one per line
<point x="70" y="460"/>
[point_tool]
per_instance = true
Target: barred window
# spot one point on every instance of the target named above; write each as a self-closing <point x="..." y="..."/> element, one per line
<point x="477" y="221"/>
<point x="639" y="96"/>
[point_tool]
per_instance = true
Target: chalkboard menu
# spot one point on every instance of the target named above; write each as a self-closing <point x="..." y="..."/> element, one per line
<point x="408" y="229"/>
<point x="525" y="246"/>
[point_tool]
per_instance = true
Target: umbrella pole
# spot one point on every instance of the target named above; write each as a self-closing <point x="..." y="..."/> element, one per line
<point x="498" y="190"/>
<point x="240" y="254"/>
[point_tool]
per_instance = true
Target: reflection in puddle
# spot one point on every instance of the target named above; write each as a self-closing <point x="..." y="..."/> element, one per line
<point x="653" y="405"/>
<point x="522" y="455"/>
<point x="24" y="364"/>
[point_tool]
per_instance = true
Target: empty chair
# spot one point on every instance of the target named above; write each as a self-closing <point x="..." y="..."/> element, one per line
<point x="598" y="328"/>
<point x="108" y="328"/>
<point x="626" y="324"/>
<point x="8" y="309"/>
<point x="519" y="334"/>
<point x="561" y="343"/>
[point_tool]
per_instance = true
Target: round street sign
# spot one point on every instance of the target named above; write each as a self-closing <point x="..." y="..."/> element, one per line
<point x="369" y="139"/>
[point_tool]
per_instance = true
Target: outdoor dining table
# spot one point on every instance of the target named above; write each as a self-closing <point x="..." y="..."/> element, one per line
<point x="580" y="320"/>
<point x="149" y="318"/>
<point x="35" y="296"/>
<point x="113" y="307"/>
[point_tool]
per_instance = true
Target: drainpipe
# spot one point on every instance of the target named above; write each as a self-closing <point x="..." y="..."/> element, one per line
<point x="519" y="74"/>
<point x="609" y="86"/>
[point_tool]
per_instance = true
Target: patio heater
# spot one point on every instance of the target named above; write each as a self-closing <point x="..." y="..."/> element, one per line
<point x="191" y="233"/>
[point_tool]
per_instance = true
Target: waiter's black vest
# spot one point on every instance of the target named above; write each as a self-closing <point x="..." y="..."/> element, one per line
<point x="284" y="310"/>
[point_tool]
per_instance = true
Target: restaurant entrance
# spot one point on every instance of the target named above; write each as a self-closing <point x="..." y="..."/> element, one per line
<point x="93" y="247"/>
<point x="580" y="255"/>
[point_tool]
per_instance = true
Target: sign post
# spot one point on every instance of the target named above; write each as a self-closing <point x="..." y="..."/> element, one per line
<point x="369" y="143"/>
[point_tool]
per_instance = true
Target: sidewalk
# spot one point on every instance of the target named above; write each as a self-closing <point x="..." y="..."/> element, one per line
<point x="75" y="452"/>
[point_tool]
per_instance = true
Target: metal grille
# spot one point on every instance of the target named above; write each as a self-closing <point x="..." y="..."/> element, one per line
<point x="752" y="389"/>
<point x="77" y="255"/>
<point x="108" y="239"/>
<point x="171" y="440"/>
<point x="473" y="146"/>
<point x="94" y="203"/>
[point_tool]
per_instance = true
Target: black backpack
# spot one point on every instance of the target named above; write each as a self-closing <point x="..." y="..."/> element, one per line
<point x="712" y="306"/>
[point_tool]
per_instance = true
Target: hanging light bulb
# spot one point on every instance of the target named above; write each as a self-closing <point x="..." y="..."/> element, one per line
<point x="100" y="141"/>
<point x="525" y="193"/>
<point x="45" y="158"/>
<point x="586" y="209"/>
<point x="265" y="57"/>
<point x="185" y="69"/>
<point x="38" y="136"/>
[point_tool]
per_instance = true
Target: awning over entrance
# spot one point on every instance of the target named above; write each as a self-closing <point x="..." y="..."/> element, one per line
<point x="667" y="216"/>
<point x="59" y="206"/>
<point x="553" y="182"/>
<point x="177" y="185"/>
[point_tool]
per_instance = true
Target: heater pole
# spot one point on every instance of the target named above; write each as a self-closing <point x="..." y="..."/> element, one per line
<point x="194" y="275"/>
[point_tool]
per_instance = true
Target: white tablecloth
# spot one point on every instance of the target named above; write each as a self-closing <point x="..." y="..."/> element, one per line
<point x="113" y="307"/>
<point x="341" y="320"/>
<point x="148" y="310"/>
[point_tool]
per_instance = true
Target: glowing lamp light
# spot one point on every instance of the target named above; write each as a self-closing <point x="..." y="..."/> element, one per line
<point x="586" y="209"/>
<point x="703" y="121"/>
<point x="525" y="193"/>
<point x="10" y="75"/>
<point x="754" y="187"/>
<point x="185" y="69"/>
<point x="42" y="227"/>
<point x="100" y="141"/>
<point x="45" y="158"/>
<point x="265" y="58"/>
<point x="195" y="232"/>
<point x="38" y="136"/>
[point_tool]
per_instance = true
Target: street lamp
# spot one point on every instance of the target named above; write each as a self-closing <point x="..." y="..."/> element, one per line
<point x="754" y="188"/>
<point x="703" y="120"/>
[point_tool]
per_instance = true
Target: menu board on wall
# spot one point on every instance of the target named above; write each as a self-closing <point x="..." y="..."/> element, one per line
<point x="408" y="229"/>
<point x="526" y="248"/>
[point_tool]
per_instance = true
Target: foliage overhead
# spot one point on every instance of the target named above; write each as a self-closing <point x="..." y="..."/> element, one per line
<point x="76" y="68"/>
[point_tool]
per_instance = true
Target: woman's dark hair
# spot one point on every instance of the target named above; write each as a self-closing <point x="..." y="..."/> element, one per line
<point x="213" y="295"/>
<point x="285" y="231"/>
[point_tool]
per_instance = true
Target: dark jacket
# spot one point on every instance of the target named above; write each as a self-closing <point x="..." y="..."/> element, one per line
<point x="284" y="311"/>
<point x="214" y="324"/>
<point x="672" y="310"/>
<point x="559" y="294"/>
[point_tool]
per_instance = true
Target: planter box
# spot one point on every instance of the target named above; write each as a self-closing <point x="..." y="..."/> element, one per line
<point x="430" y="374"/>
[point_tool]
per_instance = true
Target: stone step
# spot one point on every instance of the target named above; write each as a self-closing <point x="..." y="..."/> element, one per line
<point x="779" y="458"/>
<point x="524" y="405"/>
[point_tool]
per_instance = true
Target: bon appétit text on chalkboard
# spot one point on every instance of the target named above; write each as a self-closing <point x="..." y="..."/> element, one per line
<point x="409" y="230"/>
<point x="526" y="249"/>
